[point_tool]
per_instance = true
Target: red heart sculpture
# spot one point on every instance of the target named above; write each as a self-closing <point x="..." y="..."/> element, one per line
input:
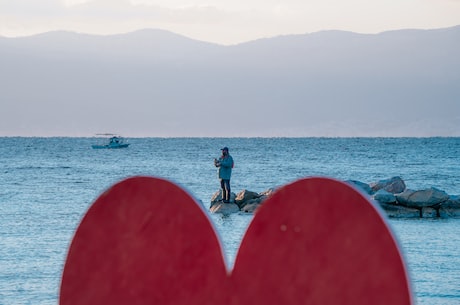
<point x="315" y="241"/>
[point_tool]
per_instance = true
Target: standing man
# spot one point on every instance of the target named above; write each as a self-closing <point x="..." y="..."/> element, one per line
<point x="225" y="165"/>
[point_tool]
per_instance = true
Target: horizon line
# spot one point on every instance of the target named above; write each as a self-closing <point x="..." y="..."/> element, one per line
<point x="217" y="43"/>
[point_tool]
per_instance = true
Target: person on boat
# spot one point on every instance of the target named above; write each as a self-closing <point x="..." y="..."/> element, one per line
<point x="224" y="165"/>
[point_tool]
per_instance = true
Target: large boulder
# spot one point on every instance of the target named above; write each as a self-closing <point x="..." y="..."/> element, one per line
<point x="360" y="185"/>
<point x="393" y="185"/>
<point x="397" y="211"/>
<point x="450" y="208"/>
<point x="267" y="192"/>
<point x="429" y="212"/>
<point x="245" y="201"/>
<point x="251" y="207"/>
<point x="431" y="197"/>
<point x="383" y="196"/>
<point x="224" y="208"/>
<point x="243" y="197"/>
<point x="217" y="198"/>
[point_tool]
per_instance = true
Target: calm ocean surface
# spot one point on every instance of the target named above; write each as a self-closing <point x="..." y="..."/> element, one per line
<point x="47" y="184"/>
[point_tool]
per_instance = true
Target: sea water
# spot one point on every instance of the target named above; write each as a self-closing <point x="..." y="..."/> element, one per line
<point x="47" y="184"/>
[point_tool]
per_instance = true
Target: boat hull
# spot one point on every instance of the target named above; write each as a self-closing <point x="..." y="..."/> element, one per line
<point x="110" y="146"/>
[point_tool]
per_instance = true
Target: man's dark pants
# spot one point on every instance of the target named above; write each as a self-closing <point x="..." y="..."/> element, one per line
<point x="225" y="185"/>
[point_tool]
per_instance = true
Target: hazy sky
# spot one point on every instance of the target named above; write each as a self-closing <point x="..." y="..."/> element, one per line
<point x="224" y="21"/>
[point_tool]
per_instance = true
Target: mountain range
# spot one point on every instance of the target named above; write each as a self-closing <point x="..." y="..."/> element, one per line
<point x="157" y="83"/>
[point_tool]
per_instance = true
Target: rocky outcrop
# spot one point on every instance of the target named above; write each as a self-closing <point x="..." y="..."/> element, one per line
<point x="450" y="208"/>
<point x="399" y="202"/>
<point x="431" y="197"/>
<point x="244" y="197"/>
<point x="393" y="185"/>
<point x="224" y="208"/>
<point x="399" y="211"/>
<point x="218" y="206"/>
<point x="245" y="201"/>
<point x="391" y="194"/>
<point x="386" y="197"/>
<point x="361" y="185"/>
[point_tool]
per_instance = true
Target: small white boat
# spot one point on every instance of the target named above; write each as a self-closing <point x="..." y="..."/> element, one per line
<point x="113" y="142"/>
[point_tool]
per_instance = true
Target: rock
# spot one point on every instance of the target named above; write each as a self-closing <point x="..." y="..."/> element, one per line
<point x="431" y="197"/>
<point x="251" y="207"/>
<point x="397" y="211"/>
<point x="429" y="212"/>
<point x="224" y="208"/>
<point x="450" y="208"/>
<point x="262" y="198"/>
<point x="246" y="201"/>
<point x="391" y="194"/>
<point x="255" y="200"/>
<point x="218" y="197"/>
<point x="268" y="192"/>
<point x="393" y="185"/>
<point x="360" y="185"/>
<point x="243" y="197"/>
<point x="383" y="196"/>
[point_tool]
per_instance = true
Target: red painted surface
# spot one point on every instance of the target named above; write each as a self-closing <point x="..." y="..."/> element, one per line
<point x="144" y="241"/>
<point x="318" y="241"/>
<point x="315" y="241"/>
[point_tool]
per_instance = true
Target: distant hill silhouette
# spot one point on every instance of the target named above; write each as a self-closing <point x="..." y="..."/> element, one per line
<point x="157" y="83"/>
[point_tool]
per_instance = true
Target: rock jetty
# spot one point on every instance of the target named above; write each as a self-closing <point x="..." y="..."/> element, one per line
<point x="392" y="195"/>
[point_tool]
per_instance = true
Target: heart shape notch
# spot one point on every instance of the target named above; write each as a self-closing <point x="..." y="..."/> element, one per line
<point x="314" y="241"/>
